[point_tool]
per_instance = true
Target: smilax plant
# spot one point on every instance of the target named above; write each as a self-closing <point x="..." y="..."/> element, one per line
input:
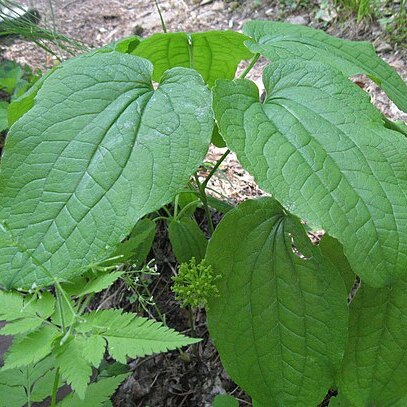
<point x="112" y="136"/>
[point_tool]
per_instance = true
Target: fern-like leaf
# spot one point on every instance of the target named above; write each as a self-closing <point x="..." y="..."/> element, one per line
<point x="30" y="348"/>
<point x="97" y="394"/>
<point x="132" y="336"/>
<point x="24" y="313"/>
<point x="73" y="365"/>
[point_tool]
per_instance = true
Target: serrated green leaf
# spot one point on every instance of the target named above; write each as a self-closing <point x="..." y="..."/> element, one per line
<point x="30" y="348"/>
<point x="93" y="349"/>
<point x="34" y="382"/>
<point x="15" y="306"/>
<point x="43" y="387"/>
<point x="224" y="400"/>
<point x="100" y="283"/>
<point x="214" y="54"/>
<point x="21" y="326"/>
<point x="280" y="320"/>
<point x="96" y="394"/>
<point x="99" y="149"/>
<point x="282" y="41"/>
<point x="374" y="369"/>
<point x="320" y="147"/>
<point x="131" y="336"/>
<point x="12" y="396"/>
<point x="187" y="240"/>
<point x="71" y="359"/>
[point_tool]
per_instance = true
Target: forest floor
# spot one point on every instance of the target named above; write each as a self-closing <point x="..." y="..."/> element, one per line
<point x="190" y="379"/>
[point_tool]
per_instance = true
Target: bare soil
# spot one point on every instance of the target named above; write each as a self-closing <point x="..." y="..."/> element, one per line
<point x="193" y="377"/>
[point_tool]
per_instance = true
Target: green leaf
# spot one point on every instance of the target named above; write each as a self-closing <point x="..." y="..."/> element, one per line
<point x="333" y="250"/>
<point x="10" y="73"/>
<point x="214" y="54"/>
<point x="189" y="199"/>
<point x="187" y="240"/>
<point x="224" y="400"/>
<point x="30" y="348"/>
<point x="68" y="310"/>
<point x="136" y="247"/>
<point x="280" y="321"/>
<point x="3" y="115"/>
<point x="282" y="41"/>
<point x="374" y="368"/>
<point x="126" y="45"/>
<point x="74" y="365"/>
<point x="99" y="149"/>
<point x="93" y="349"/>
<point x="24" y="313"/>
<point x="220" y="206"/>
<point x="96" y="394"/>
<point x="12" y="396"/>
<point x="99" y="283"/>
<point x="217" y="139"/>
<point x="320" y="147"/>
<point x="33" y="382"/>
<point x="25" y="102"/>
<point x="132" y="336"/>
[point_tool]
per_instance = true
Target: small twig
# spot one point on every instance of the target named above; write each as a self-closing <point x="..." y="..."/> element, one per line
<point x="161" y="17"/>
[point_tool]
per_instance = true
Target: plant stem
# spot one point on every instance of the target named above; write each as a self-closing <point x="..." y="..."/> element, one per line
<point x="216" y="166"/>
<point x="192" y="321"/>
<point x="176" y="206"/>
<point x="55" y="388"/>
<point x="161" y="17"/>
<point x="251" y="65"/>
<point x="204" y="200"/>
<point x="187" y="206"/>
<point x="61" y="312"/>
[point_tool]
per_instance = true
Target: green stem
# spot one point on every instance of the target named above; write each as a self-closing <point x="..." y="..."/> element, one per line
<point x="28" y="387"/>
<point x="55" y="388"/>
<point x="251" y="65"/>
<point x="161" y="17"/>
<point x="184" y="209"/>
<point x="160" y="218"/>
<point x="61" y="312"/>
<point x="204" y="200"/>
<point x="214" y="169"/>
<point x="192" y="322"/>
<point x="176" y="206"/>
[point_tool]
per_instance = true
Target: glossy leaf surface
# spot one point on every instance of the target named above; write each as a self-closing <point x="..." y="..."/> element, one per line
<point x="214" y="54"/>
<point x="282" y="41"/>
<point x="99" y="150"/>
<point x="280" y="320"/>
<point x="187" y="240"/>
<point x="319" y="146"/>
<point x="374" y="371"/>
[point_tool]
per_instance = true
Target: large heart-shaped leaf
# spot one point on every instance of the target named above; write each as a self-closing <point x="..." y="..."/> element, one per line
<point x="319" y="146"/>
<point x="99" y="150"/>
<point x="374" y="371"/>
<point x="280" y="320"/>
<point x="283" y="41"/>
<point x="214" y="54"/>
